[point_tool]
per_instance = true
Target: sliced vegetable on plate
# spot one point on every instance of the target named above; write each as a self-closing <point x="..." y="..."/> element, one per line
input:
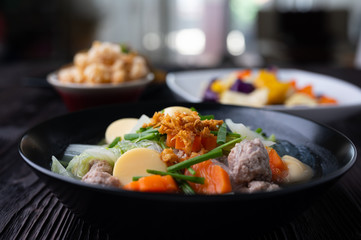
<point x="261" y="88"/>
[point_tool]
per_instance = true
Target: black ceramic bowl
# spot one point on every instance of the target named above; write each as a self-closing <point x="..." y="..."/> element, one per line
<point x="155" y="214"/>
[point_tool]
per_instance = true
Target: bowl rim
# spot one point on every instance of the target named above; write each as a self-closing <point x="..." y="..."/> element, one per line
<point x="53" y="80"/>
<point x="176" y="197"/>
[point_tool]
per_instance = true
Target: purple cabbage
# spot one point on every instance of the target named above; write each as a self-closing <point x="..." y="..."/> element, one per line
<point x="243" y="87"/>
<point x="209" y="95"/>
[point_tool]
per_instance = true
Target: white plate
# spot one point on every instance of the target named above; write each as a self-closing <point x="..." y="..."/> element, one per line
<point x="190" y="86"/>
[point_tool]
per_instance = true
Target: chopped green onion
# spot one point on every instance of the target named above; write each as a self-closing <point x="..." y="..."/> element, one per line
<point x="229" y="134"/>
<point x="206" y="117"/>
<point x="132" y="136"/>
<point x="148" y="137"/>
<point x="235" y="135"/>
<point x="124" y="48"/>
<point x="192" y="171"/>
<point x="140" y="130"/>
<point x="136" y="178"/>
<point x="258" y="130"/>
<point x="139" y="136"/>
<point x="216" y="152"/>
<point x="162" y="142"/>
<point x="143" y="133"/>
<point x="201" y="158"/>
<point x="186" y="188"/>
<point x="178" y="176"/>
<point x="114" y="142"/>
<point x="222" y="134"/>
<point x="272" y="138"/>
<point x="147" y="130"/>
<point x="234" y="141"/>
<point x="203" y="117"/>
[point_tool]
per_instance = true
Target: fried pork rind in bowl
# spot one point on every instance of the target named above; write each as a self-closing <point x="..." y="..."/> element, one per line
<point x="107" y="73"/>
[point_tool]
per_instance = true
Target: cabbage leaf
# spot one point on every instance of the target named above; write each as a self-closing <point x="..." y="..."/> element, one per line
<point x="246" y="132"/>
<point x="81" y="155"/>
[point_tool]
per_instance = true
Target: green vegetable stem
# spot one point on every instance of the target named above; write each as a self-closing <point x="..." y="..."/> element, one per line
<point x="216" y="152"/>
<point x="178" y="176"/>
<point x="114" y="142"/>
<point x="222" y="134"/>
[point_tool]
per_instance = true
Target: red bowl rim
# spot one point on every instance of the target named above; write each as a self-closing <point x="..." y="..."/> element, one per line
<point x="53" y="80"/>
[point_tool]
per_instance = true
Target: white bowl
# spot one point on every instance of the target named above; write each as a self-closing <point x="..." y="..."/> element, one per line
<point x="190" y="86"/>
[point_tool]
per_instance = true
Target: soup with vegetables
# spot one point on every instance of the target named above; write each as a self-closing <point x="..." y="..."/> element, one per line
<point x="179" y="150"/>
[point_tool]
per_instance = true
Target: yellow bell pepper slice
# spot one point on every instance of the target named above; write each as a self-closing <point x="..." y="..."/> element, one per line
<point x="277" y="90"/>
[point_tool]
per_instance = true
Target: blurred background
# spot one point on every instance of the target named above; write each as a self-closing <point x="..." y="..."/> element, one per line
<point x="179" y="34"/>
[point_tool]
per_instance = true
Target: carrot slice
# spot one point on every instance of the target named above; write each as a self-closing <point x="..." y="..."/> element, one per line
<point x="327" y="100"/>
<point x="278" y="167"/>
<point x="179" y="144"/>
<point x="293" y="83"/>
<point x="243" y="74"/>
<point x="196" y="144"/>
<point x="307" y="90"/>
<point x="216" y="178"/>
<point x="153" y="183"/>
<point x="170" y="141"/>
<point x="209" y="142"/>
<point x="133" y="186"/>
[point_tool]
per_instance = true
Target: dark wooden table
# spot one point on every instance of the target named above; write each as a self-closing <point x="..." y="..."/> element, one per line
<point x="28" y="210"/>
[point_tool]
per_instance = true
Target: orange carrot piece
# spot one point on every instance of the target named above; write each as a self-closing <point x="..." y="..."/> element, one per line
<point x="209" y="142"/>
<point x="308" y="89"/>
<point x="133" y="186"/>
<point x="278" y="167"/>
<point x="327" y="100"/>
<point x="153" y="183"/>
<point x="196" y="144"/>
<point x="179" y="144"/>
<point x="293" y="83"/>
<point x="243" y="74"/>
<point x="170" y="141"/>
<point x="216" y="178"/>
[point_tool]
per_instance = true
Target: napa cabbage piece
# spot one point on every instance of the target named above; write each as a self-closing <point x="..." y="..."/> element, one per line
<point x="80" y="164"/>
<point x="75" y="149"/>
<point x="141" y="121"/>
<point x="79" y="156"/>
<point x="58" y="168"/>
<point x="246" y="132"/>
